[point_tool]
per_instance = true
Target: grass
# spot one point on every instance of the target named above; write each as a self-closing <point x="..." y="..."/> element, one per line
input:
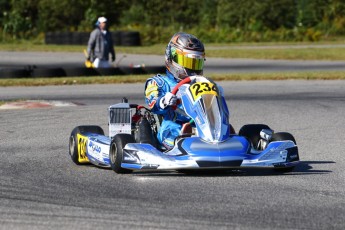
<point x="287" y="51"/>
<point x="324" y="75"/>
<point x="13" y="100"/>
<point x="321" y="75"/>
<point x="282" y="53"/>
<point x="155" y="49"/>
<point x="73" y="80"/>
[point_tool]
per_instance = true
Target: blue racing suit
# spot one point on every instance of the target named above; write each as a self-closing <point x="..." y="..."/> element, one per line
<point x="155" y="88"/>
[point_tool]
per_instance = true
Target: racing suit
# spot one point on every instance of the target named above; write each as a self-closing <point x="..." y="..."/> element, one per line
<point x="155" y="88"/>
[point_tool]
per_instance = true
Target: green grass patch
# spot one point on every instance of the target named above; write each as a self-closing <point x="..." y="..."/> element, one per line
<point x="287" y="51"/>
<point x="155" y="49"/>
<point x="281" y="53"/>
<point x="12" y="100"/>
<point x="73" y="80"/>
<point x="324" y="75"/>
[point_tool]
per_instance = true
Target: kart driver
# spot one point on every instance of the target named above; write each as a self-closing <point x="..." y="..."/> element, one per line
<point x="184" y="56"/>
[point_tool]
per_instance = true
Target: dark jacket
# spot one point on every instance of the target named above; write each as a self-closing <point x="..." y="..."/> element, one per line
<point x="100" y="45"/>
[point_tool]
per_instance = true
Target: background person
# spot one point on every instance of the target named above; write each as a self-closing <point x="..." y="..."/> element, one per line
<point x="100" y="45"/>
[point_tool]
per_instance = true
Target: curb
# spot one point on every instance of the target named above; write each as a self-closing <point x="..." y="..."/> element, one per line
<point x="31" y="104"/>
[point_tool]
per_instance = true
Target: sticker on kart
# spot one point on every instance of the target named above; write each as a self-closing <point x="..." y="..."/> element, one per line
<point x="82" y="148"/>
<point x="201" y="88"/>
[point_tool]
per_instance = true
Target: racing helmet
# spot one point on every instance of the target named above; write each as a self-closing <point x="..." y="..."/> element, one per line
<point x="184" y="56"/>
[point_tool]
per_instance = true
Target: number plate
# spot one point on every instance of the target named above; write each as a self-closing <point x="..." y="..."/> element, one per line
<point x="201" y="88"/>
<point x="82" y="148"/>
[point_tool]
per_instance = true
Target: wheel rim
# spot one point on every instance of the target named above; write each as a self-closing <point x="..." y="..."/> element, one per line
<point x="113" y="154"/>
<point x="71" y="145"/>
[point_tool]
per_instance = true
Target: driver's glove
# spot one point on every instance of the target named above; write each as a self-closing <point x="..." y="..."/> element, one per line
<point x="169" y="99"/>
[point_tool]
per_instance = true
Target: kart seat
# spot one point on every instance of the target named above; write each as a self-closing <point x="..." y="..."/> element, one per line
<point x="145" y="133"/>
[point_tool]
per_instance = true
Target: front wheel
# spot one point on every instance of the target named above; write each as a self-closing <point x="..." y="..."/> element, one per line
<point x="252" y="133"/>
<point x="117" y="144"/>
<point x="77" y="144"/>
<point x="283" y="136"/>
<point x="293" y="152"/>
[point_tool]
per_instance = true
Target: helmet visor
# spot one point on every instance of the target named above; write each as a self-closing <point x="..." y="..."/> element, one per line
<point x="191" y="61"/>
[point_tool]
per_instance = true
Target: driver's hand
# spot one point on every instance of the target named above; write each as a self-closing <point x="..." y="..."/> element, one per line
<point x="169" y="99"/>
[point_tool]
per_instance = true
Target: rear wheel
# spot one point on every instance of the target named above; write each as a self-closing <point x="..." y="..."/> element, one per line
<point x="116" y="152"/>
<point x="73" y="140"/>
<point x="252" y="132"/>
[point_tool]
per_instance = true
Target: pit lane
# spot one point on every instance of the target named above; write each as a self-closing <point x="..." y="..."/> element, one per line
<point x="42" y="189"/>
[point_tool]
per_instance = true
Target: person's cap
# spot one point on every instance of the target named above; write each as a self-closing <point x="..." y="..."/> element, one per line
<point x="102" y="19"/>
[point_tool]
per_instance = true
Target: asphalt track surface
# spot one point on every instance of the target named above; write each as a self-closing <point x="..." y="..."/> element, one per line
<point x="41" y="188"/>
<point x="10" y="59"/>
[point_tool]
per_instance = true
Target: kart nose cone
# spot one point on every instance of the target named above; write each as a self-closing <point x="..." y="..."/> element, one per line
<point x="229" y="153"/>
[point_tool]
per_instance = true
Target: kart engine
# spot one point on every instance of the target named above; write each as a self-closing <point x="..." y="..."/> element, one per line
<point x="135" y="120"/>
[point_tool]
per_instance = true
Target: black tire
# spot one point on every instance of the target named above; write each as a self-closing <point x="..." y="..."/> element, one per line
<point x="117" y="144"/>
<point x="84" y="38"/>
<point x="66" y="38"/>
<point x="116" y="36"/>
<point x="49" y="38"/>
<point x="154" y="69"/>
<point x="14" y="73"/>
<point x="73" y="143"/>
<point x="48" y="72"/>
<point x="283" y="136"/>
<point x="80" y="71"/>
<point x="52" y="38"/>
<point x="252" y="132"/>
<point x="130" y="38"/>
<point x="57" y="38"/>
<point x="109" y="71"/>
<point x="132" y="70"/>
<point x="75" y="38"/>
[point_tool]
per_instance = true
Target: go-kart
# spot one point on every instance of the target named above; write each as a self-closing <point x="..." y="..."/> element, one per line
<point x="206" y="142"/>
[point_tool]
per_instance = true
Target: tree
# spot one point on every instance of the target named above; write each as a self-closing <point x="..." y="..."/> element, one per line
<point x="20" y="20"/>
<point x="276" y="14"/>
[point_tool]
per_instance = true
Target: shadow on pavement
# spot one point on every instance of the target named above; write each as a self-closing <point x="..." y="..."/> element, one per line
<point x="304" y="168"/>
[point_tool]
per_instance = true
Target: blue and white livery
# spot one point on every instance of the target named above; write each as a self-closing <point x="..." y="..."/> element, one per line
<point x="206" y="142"/>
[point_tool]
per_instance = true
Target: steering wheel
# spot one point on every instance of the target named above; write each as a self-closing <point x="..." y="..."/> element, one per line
<point x="176" y="88"/>
<point x="184" y="81"/>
